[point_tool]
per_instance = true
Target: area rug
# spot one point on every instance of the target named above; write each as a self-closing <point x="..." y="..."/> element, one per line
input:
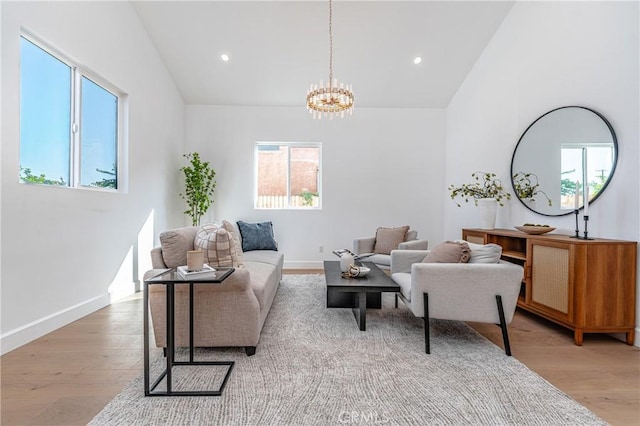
<point x="313" y="366"/>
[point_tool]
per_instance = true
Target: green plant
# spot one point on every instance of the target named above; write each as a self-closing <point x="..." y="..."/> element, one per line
<point x="107" y="182"/>
<point x="485" y="185"/>
<point x="199" y="182"/>
<point x="308" y="197"/>
<point x="27" y="177"/>
<point x="527" y="186"/>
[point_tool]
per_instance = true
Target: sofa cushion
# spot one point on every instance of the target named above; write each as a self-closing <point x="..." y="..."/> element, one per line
<point x="175" y="245"/>
<point x="449" y="252"/>
<point x="235" y="234"/>
<point x="263" y="278"/>
<point x="378" y="259"/>
<point x="257" y="236"/>
<point x="387" y="239"/>
<point x="218" y="245"/>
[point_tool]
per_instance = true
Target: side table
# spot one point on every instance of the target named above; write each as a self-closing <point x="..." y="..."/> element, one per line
<point x="169" y="278"/>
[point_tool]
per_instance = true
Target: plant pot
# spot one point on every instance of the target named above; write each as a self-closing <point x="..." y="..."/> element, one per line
<point x="488" y="208"/>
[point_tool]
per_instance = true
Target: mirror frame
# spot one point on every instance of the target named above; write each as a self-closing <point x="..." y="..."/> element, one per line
<point x="613" y="167"/>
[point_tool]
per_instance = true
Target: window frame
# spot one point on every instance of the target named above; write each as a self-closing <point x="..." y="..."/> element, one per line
<point x="78" y="71"/>
<point x="289" y="145"/>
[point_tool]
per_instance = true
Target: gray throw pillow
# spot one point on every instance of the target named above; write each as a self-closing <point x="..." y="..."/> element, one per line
<point x="257" y="236"/>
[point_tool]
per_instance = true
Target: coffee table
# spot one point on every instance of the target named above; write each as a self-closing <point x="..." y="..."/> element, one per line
<point x="357" y="293"/>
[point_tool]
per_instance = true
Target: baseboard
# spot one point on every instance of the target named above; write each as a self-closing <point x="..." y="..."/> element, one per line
<point x="317" y="264"/>
<point x="22" y="335"/>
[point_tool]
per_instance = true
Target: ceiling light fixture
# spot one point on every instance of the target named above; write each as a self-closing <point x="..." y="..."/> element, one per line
<point x="224" y="57"/>
<point x="330" y="99"/>
<point x="417" y="60"/>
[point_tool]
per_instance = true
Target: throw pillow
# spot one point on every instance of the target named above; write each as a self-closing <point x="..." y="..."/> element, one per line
<point x="387" y="239"/>
<point x="484" y="253"/>
<point x="175" y="245"/>
<point x="218" y="245"/>
<point x="257" y="236"/>
<point x="233" y="231"/>
<point x="449" y="252"/>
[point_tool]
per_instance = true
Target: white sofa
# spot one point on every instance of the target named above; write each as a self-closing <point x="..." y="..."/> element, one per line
<point x="229" y="314"/>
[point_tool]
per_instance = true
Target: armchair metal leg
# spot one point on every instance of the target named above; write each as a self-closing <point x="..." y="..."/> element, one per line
<point x="396" y="294"/>
<point x="503" y="326"/>
<point x="427" y="342"/>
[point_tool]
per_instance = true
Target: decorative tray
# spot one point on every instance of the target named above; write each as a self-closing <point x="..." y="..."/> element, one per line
<point x="535" y="229"/>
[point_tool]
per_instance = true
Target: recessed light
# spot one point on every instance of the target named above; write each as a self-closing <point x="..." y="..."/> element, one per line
<point x="417" y="60"/>
<point x="224" y="57"/>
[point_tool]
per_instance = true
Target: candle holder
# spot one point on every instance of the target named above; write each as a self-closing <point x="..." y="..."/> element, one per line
<point x="586" y="232"/>
<point x="577" y="235"/>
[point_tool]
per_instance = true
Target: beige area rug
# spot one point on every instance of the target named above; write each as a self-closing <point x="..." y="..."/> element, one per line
<point x="314" y="367"/>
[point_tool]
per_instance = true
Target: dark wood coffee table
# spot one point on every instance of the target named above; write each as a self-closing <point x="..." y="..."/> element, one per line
<point x="357" y="293"/>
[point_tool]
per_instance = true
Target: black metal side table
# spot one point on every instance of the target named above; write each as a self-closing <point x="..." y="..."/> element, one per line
<point x="169" y="279"/>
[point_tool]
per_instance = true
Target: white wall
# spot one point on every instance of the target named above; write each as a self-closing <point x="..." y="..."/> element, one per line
<point x="64" y="249"/>
<point x="380" y="167"/>
<point x="546" y="55"/>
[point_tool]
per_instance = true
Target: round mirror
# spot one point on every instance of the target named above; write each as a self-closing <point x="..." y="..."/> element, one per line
<point x="565" y="154"/>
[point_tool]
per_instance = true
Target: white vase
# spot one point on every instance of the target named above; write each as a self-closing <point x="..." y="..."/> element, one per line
<point x="488" y="208"/>
<point x="345" y="262"/>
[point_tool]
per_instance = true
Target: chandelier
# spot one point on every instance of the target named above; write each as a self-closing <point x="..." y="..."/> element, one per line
<point x="332" y="99"/>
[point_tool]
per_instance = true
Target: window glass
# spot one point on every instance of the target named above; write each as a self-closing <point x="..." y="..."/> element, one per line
<point x="99" y="132"/>
<point x="70" y="125"/>
<point x="287" y="176"/>
<point x="45" y="117"/>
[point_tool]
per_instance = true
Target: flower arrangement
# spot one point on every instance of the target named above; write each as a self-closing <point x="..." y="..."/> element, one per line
<point x="485" y="185"/>
<point x="527" y="186"/>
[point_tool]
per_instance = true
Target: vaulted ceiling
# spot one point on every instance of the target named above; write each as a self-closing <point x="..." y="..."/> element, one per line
<point x="277" y="49"/>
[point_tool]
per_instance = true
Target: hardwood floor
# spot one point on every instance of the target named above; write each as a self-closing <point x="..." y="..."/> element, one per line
<point x="68" y="376"/>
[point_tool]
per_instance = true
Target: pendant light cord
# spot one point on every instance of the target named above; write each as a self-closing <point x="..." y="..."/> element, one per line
<point x="330" y="47"/>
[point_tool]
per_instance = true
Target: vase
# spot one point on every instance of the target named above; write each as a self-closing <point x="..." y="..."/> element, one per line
<point x="346" y="260"/>
<point x="488" y="209"/>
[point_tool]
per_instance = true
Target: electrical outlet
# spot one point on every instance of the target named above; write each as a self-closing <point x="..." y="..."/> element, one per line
<point x="320" y="249"/>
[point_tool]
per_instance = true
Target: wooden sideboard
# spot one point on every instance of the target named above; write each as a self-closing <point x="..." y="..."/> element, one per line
<point x="586" y="286"/>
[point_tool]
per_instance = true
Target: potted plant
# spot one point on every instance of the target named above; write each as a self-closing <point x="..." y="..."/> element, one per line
<point x="485" y="185"/>
<point x="527" y="187"/>
<point x="199" y="182"/>
<point x="486" y="191"/>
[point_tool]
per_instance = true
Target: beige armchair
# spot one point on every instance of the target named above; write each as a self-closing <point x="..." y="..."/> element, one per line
<point x="478" y="292"/>
<point x="365" y="246"/>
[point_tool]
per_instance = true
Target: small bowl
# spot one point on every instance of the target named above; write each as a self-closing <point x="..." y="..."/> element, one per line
<point x="358" y="271"/>
<point x="535" y="230"/>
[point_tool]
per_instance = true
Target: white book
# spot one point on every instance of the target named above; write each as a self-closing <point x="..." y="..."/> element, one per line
<point x="206" y="272"/>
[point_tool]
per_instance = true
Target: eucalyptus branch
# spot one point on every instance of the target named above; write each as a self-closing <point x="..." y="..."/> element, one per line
<point x="526" y="188"/>
<point x="485" y="185"/>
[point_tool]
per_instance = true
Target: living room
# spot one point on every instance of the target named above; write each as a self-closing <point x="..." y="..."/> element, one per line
<point x="384" y="165"/>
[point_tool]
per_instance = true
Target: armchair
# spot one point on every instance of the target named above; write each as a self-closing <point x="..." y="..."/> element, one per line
<point x="478" y="292"/>
<point x="366" y="246"/>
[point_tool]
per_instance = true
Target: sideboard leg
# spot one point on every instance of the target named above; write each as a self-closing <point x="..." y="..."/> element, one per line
<point x="630" y="337"/>
<point x="578" y="337"/>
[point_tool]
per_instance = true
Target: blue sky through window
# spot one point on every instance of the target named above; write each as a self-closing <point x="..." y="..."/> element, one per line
<point x="99" y="132"/>
<point x="46" y="105"/>
<point x="45" y="113"/>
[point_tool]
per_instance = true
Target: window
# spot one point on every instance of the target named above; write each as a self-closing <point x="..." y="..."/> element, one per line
<point x="70" y="122"/>
<point x="287" y="175"/>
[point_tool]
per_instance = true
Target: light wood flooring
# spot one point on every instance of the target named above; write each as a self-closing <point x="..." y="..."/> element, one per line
<point x="68" y="376"/>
